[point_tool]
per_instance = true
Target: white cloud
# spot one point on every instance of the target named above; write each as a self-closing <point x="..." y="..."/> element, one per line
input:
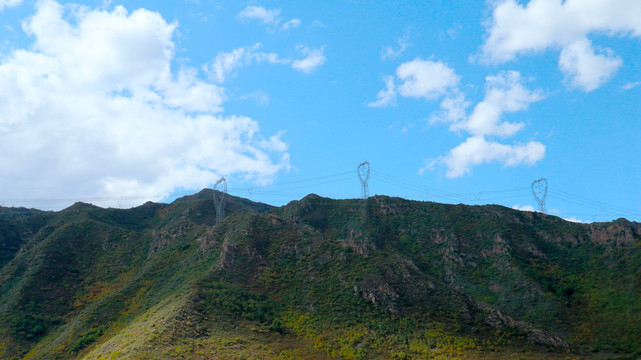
<point x="425" y="79"/>
<point x="259" y="96"/>
<point x="291" y="24"/>
<point x="523" y="208"/>
<point x="477" y="150"/>
<point x="428" y="164"/>
<point x="226" y="62"/>
<point x="387" y="96"/>
<point x="516" y="29"/>
<point x="9" y="3"/>
<point x="259" y="13"/>
<point x="271" y="18"/>
<point x="631" y="85"/>
<point x="93" y="109"/>
<point x="575" y="220"/>
<point x="453" y="108"/>
<point x="188" y="93"/>
<point x="504" y="93"/>
<point x="312" y="60"/>
<point x="418" y="79"/>
<point x="585" y="69"/>
<point x="454" y="31"/>
<point x="104" y="50"/>
<point x="389" y="53"/>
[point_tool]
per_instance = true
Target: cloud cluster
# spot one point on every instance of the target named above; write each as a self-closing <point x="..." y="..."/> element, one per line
<point x="504" y="93"/>
<point x="225" y="63"/>
<point x="271" y="18"/>
<point x="93" y="108"/>
<point x="516" y="29"/>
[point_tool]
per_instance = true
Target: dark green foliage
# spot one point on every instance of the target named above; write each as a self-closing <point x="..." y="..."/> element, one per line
<point x="86" y="339"/>
<point x="9" y="242"/>
<point x="12" y="213"/>
<point x="222" y="299"/>
<point x="29" y="327"/>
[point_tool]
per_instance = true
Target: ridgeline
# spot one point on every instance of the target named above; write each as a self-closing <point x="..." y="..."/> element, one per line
<point x="381" y="278"/>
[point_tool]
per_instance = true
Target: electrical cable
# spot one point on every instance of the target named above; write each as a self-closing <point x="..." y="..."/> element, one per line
<point x="415" y="190"/>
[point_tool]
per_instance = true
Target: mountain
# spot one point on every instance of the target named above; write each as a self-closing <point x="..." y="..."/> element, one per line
<point x="381" y="278"/>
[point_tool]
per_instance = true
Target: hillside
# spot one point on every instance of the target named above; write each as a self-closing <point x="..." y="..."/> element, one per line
<point x="382" y="278"/>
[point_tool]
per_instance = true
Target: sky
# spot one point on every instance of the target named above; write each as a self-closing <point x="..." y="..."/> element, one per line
<point x="121" y="102"/>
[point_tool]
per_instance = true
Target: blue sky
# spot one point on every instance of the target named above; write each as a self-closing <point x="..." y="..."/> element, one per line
<point x="121" y="102"/>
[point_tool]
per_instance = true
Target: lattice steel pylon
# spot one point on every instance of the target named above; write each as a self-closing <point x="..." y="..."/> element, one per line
<point x="363" y="176"/>
<point x="220" y="189"/>
<point x="540" y="192"/>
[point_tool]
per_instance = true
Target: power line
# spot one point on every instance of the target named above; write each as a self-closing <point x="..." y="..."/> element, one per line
<point x="414" y="190"/>
<point x="591" y="204"/>
<point x="434" y="192"/>
<point x="294" y="182"/>
<point x="87" y="199"/>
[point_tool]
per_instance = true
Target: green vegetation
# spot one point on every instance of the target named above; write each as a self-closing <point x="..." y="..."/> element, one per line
<point x="382" y="278"/>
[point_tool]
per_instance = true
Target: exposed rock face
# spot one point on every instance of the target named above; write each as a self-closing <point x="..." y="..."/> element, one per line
<point x="379" y="292"/>
<point x="499" y="320"/>
<point x="615" y="234"/>
<point x="227" y="254"/>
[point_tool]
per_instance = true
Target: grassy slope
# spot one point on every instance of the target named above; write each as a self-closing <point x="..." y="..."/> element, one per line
<point x="319" y="278"/>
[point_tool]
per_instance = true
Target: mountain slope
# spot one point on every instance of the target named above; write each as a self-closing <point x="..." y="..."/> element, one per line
<point x="317" y="278"/>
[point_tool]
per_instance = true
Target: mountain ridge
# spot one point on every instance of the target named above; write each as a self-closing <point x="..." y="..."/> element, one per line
<point x="317" y="278"/>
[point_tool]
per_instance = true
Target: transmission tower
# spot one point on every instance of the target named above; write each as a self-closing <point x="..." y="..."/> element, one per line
<point x="363" y="175"/>
<point x="220" y="189"/>
<point x="540" y="192"/>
